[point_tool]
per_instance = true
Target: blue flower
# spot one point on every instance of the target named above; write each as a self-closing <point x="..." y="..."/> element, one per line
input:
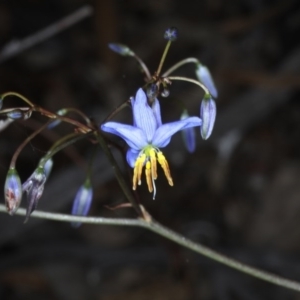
<point x="145" y="138"/>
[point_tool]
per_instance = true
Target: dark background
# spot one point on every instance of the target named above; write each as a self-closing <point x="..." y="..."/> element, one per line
<point x="239" y="193"/>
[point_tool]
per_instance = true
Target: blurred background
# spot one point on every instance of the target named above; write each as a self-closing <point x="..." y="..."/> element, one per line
<point x="239" y="193"/>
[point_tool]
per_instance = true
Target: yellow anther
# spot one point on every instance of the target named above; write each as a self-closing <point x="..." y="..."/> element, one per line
<point x="165" y="166"/>
<point x="137" y="172"/>
<point x="149" y="176"/>
<point x="152" y="154"/>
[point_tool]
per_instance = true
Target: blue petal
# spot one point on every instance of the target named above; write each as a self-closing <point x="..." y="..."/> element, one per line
<point x="208" y="111"/>
<point x="164" y="133"/>
<point x="156" y="111"/>
<point x="133" y="136"/>
<point x="188" y="134"/>
<point x="143" y="115"/>
<point x="131" y="157"/>
<point x="205" y="77"/>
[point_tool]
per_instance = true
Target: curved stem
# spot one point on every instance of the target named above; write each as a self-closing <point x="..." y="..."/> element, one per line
<point x="116" y="111"/>
<point x="17" y="95"/>
<point x="181" y="63"/>
<point x="190" y="80"/>
<point x="154" y="226"/>
<point x="143" y="66"/>
<point x="63" y="143"/>
<point x="25" y="142"/>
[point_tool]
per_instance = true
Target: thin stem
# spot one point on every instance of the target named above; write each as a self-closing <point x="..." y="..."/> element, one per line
<point x="154" y="226"/>
<point x="17" y="95"/>
<point x="143" y="66"/>
<point x="63" y="143"/>
<point x="116" y="111"/>
<point x="190" y="80"/>
<point x="127" y="192"/>
<point x="24" y="143"/>
<point x="16" y="46"/>
<point x="179" y="64"/>
<point x="52" y="115"/>
<point x="163" y="58"/>
<point x="80" y="113"/>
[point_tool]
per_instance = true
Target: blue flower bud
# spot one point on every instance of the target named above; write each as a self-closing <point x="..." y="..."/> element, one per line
<point x="34" y="187"/>
<point x="48" y="167"/>
<point x="82" y="201"/>
<point x="56" y="122"/>
<point x="121" y="49"/>
<point x="171" y="34"/>
<point x="12" y="191"/>
<point x="1" y="103"/>
<point x="188" y="135"/>
<point x="205" y="77"/>
<point x="208" y="111"/>
<point x="18" y="113"/>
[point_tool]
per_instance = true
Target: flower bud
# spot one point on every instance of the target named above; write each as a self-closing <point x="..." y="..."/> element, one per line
<point x="34" y="187"/>
<point x="121" y="49"/>
<point x="205" y="77"/>
<point x="19" y="113"/>
<point x="82" y="201"/>
<point x="1" y="103"/>
<point x="48" y="167"/>
<point x="56" y="122"/>
<point x="171" y="34"/>
<point x="188" y="135"/>
<point x="208" y="111"/>
<point x="12" y="191"/>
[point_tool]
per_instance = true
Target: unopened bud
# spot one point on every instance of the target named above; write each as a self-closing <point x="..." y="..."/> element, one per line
<point x="82" y="201"/>
<point x="56" y="122"/>
<point x="171" y="34"/>
<point x="208" y="111"/>
<point x="12" y="191"/>
<point x="165" y="93"/>
<point x="121" y="49"/>
<point x="34" y="187"/>
<point x="19" y="113"/>
<point x="205" y="77"/>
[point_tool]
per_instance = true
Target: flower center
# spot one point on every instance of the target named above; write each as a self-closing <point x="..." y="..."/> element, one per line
<point x="148" y="157"/>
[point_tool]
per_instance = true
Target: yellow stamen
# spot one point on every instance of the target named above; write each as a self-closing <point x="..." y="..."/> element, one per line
<point x="149" y="176"/>
<point x="164" y="164"/>
<point x="153" y="163"/>
<point x="138" y="168"/>
<point x="149" y="157"/>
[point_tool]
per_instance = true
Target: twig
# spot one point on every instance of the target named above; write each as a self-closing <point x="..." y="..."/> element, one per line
<point x="16" y="46"/>
<point x="171" y="235"/>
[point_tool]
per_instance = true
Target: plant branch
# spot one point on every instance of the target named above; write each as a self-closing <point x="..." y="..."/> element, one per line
<point x="154" y="226"/>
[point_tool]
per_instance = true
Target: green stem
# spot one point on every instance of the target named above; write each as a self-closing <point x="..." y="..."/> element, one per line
<point x="163" y="58"/>
<point x="127" y="192"/>
<point x="25" y="142"/>
<point x="181" y="63"/>
<point x="143" y="66"/>
<point x="17" y="95"/>
<point x="180" y="78"/>
<point x="171" y="235"/>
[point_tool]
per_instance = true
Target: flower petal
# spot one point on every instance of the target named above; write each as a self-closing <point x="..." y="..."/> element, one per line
<point x="156" y="111"/>
<point x="208" y="111"/>
<point x="205" y="77"/>
<point x="143" y="115"/>
<point x="133" y="136"/>
<point x="164" y="133"/>
<point x="131" y="157"/>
